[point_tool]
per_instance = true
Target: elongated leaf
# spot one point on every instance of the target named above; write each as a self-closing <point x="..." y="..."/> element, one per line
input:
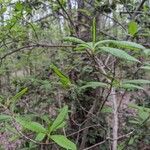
<point x="74" y="40"/>
<point x="134" y="121"/>
<point x="40" y="137"/>
<point x="60" y="119"/>
<point x="18" y="95"/>
<point x="63" y="142"/>
<point x="94" y="30"/>
<point x="107" y="109"/>
<point x="4" y="117"/>
<point x="135" y="106"/>
<point x="2" y="10"/>
<point x="63" y="78"/>
<point x="16" y="98"/>
<point x="30" y="125"/>
<point x="19" y="6"/>
<point x="91" y="46"/>
<point x="131" y="86"/>
<point x="119" y="53"/>
<point x="84" y="46"/>
<point x="147" y="52"/>
<point x="121" y="44"/>
<point x="132" y="28"/>
<point x="79" y="48"/>
<point x="145" y="67"/>
<point x="85" y="11"/>
<point x="138" y="81"/>
<point x="143" y="114"/>
<point x="93" y="85"/>
<point x="61" y="125"/>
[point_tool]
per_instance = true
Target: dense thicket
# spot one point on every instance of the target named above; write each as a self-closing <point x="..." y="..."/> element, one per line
<point x="74" y="74"/>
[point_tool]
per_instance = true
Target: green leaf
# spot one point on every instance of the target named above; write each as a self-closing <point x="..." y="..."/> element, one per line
<point x="18" y="95"/>
<point x="121" y="44"/>
<point x="40" y="137"/>
<point x="145" y="67"/>
<point x="147" y="52"/>
<point x="88" y="45"/>
<point x="4" y="118"/>
<point x="79" y="48"/>
<point x="138" y="81"/>
<point x="94" y="30"/>
<point x="60" y="119"/>
<point x="143" y="114"/>
<point x="131" y="141"/>
<point x="30" y="125"/>
<point x="119" y="53"/>
<point x="121" y="145"/>
<point x="85" y="11"/>
<point x="132" y="28"/>
<point x="61" y="125"/>
<point x="63" y="142"/>
<point x="131" y="86"/>
<point x="16" y="98"/>
<point x="63" y="78"/>
<point x="74" y="40"/>
<point x="139" y="107"/>
<point x="134" y="122"/>
<point x="46" y="118"/>
<point x="2" y="10"/>
<point x="107" y="109"/>
<point x="19" y="6"/>
<point x="93" y="85"/>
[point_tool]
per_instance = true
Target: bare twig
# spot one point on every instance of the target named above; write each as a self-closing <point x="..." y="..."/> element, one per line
<point x="85" y="132"/>
<point x="137" y="9"/>
<point x="69" y="18"/>
<point x="97" y="144"/>
<point x="29" y="47"/>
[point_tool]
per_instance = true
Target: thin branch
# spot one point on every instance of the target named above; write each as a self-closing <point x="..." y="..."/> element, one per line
<point x="97" y="144"/>
<point x="92" y="126"/>
<point x="137" y="9"/>
<point x="29" y="47"/>
<point x="69" y="18"/>
<point x="116" y="21"/>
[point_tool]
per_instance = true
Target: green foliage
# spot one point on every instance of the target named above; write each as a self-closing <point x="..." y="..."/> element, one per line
<point x="93" y="85"/>
<point x="40" y="137"/>
<point x="121" y="44"/>
<point x="130" y="86"/>
<point x="134" y="84"/>
<point x="63" y="78"/>
<point x="94" y="30"/>
<point x="145" y="67"/>
<point x="18" y="95"/>
<point x="143" y="114"/>
<point x="30" y="125"/>
<point x="42" y="132"/>
<point x="59" y="120"/>
<point x="4" y="118"/>
<point x="63" y="142"/>
<point x="147" y="52"/>
<point x="31" y="34"/>
<point x="18" y="6"/>
<point x="138" y="81"/>
<point x="132" y="28"/>
<point x="118" y="53"/>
